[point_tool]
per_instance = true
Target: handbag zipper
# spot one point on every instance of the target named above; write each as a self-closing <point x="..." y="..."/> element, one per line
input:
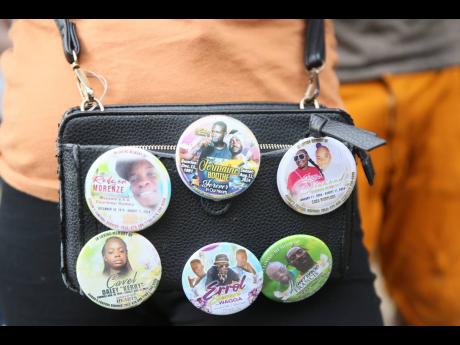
<point x="263" y="147"/>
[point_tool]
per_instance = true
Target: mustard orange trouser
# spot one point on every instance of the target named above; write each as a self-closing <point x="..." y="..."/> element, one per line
<point x="411" y="216"/>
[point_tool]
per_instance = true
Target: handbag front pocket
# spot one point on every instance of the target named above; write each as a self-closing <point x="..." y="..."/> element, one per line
<point x="255" y="219"/>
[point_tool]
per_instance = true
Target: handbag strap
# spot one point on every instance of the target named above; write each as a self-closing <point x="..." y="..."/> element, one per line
<point x="69" y="37"/>
<point x="314" y="52"/>
<point x="314" y="57"/>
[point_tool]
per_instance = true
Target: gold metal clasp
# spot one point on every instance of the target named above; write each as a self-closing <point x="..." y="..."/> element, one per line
<point x="89" y="101"/>
<point x="312" y="91"/>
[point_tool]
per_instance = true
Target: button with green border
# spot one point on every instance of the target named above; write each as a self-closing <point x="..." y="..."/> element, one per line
<point x="295" y="268"/>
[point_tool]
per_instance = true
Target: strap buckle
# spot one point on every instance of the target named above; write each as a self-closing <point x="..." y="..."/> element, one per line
<point x="312" y="91"/>
<point x="89" y="101"/>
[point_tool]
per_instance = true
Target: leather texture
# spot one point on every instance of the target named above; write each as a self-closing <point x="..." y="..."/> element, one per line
<point x="69" y="37"/>
<point x="320" y="125"/>
<point x="367" y="165"/>
<point x="255" y="219"/>
<point x="315" y="53"/>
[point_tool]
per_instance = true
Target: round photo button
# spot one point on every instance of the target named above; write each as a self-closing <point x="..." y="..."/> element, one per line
<point x="295" y="267"/>
<point x="127" y="189"/>
<point x="118" y="270"/>
<point x="222" y="278"/>
<point x="217" y="157"/>
<point x="316" y="175"/>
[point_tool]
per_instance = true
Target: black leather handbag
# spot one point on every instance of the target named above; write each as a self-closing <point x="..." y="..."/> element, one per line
<point x="255" y="219"/>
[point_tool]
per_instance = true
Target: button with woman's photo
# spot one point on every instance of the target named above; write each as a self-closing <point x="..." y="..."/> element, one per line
<point x="118" y="270"/>
<point x="316" y="175"/>
<point x="222" y="278"/>
<point x="218" y="157"/>
<point x="295" y="268"/>
<point x="127" y="189"/>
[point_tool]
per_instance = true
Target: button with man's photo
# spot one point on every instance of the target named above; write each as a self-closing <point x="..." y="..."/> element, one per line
<point x="127" y="189"/>
<point x="295" y="268"/>
<point x="222" y="278"/>
<point x="218" y="157"/>
<point x="316" y="175"/>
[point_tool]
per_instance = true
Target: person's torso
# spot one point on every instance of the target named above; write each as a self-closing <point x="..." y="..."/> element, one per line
<point x="143" y="61"/>
<point x="369" y="48"/>
<point x="307" y="176"/>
